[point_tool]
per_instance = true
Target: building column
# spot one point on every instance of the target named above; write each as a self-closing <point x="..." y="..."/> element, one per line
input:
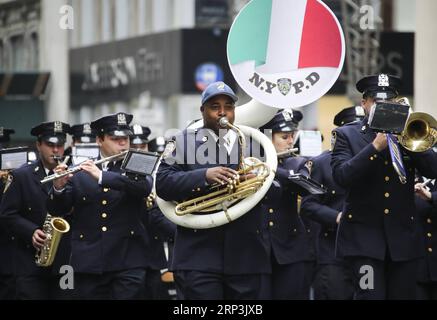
<point x="54" y="58"/>
<point x="425" y="80"/>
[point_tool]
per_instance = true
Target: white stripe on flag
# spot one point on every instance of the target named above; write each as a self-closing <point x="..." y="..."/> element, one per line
<point x="284" y="36"/>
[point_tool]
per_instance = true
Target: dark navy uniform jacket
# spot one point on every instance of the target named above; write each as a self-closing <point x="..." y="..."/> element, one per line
<point x="379" y="212"/>
<point x="108" y="233"/>
<point x="427" y="212"/>
<point x="324" y="208"/>
<point x="160" y="230"/>
<point x="22" y="211"/>
<point x="239" y="247"/>
<point x="287" y="233"/>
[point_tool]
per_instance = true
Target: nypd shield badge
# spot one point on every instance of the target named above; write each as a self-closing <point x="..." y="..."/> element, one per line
<point x="284" y="86"/>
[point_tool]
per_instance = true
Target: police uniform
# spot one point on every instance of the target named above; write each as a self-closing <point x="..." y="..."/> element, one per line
<point x="226" y="262"/>
<point x="289" y="242"/>
<point x="333" y="279"/>
<point x="378" y="224"/>
<point x="427" y="270"/>
<point x="22" y="211"/>
<point x="109" y="239"/>
<point x="6" y="277"/>
<point x="161" y="232"/>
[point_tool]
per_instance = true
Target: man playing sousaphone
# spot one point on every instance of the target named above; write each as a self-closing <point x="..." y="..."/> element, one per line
<point x="376" y="233"/>
<point x="226" y="262"/>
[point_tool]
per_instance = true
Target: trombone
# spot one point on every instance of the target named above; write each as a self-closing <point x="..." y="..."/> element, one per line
<point x="78" y="168"/>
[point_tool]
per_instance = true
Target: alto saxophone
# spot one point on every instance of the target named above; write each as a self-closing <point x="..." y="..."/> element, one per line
<point x="54" y="228"/>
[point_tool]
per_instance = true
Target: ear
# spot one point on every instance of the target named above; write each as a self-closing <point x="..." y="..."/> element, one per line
<point x="99" y="141"/>
<point x="202" y="108"/>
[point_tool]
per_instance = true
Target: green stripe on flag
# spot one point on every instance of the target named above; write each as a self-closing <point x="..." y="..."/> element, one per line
<point x="249" y="36"/>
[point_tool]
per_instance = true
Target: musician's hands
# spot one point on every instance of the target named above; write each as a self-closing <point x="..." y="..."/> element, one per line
<point x="38" y="239"/>
<point x="91" y="169"/>
<point x="60" y="183"/>
<point x="220" y="175"/>
<point x="3" y="174"/>
<point x="380" y="142"/>
<point x="422" y="191"/>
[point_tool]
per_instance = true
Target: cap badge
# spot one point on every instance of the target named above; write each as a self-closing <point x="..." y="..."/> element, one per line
<point x="137" y="129"/>
<point x="284" y="86"/>
<point x="383" y="80"/>
<point x="288" y="116"/>
<point x="121" y="119"/>
<point x="57" y="126"/>
<point x="1" y="132"/>
<point x="221" y="86"/>
<point x="86" y="128"/>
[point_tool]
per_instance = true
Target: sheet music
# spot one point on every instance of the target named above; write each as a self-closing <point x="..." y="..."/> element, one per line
<point x="13" y="160"/>
<point x="310" y="143"/>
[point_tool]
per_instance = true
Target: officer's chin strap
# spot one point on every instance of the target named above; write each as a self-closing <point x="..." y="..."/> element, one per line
<point x="396" y="158"/>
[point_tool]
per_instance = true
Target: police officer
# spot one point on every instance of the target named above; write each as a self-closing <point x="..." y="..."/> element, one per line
<point x="81" y="133"/>
<point x="426" y="203"/>
<point x="226" y="262"/>
<point x="161" y="231"/>
<point x="23" y="212"/>
<point x="109" y="240"/>
<point x="333" y="279"/>
<point x="376" y="233"/>
<point x="289" y="242"/>
<point x="6" y="277"/>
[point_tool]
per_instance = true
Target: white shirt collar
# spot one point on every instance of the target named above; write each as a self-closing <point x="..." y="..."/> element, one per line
<point x="230" y="137"/>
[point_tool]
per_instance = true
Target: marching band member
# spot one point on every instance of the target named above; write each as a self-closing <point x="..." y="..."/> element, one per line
<point x="161" y="232"/>
<point x="333" y="279"/>
<point x="426" y="203"/>
<point x="109" y="240"/>
<point x="290" y="246"/>
<point x="226" y="262"/>
<point x="377" y="233"/>
<point x="23" y="212"/>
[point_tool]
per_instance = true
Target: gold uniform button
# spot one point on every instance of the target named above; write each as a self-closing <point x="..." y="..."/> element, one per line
<point x="326" y="234"/>
<point x="371" y="158"/>
<point x="155" y="237"/>
<point x="429" y="235"/>
<point x="412" y="218"/>
<point x="105" y="189"/>
<point x="270" y="210"/>
<point x="104" y="229"/>
<point x="132" y="232"/>
<point x="333" y="191"/>
<point x="428" y="220"/>
<point x="104" y="215"/>
<point x="271" y="223"/>
<point x="12" y="238"/>
<point x="386" y="194"/>
<point x="429" y="249"/>
<point x="387" y="178"/>
<point x="198" y="189"/>
<point x="375" y="156"/>
<point x="386" y="211"/>
<point x="308" y="230"/>
<point x="104" y="202"/>
<point x="84" y="198"/>
<point x="349" y="216"/>
<point x="257" y="231"/>
<point x="30" y="209"/>
<point x="194" y="230"/>
<point x="386" y="163"/>
<point x="81" y="236"/>
<point x="294" y="230"/>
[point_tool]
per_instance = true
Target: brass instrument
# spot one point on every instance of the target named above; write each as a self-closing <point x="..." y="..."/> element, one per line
<point x="220" y="197"/>
<point x="420" y="132"/>
<point x="78" y="168"/>
<point x="288" y="153"/>
<point x="54" y="228"/>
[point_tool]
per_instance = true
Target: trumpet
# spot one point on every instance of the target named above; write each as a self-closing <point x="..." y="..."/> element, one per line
<point x="288" y="153"/>
<point x="78" y="168"/>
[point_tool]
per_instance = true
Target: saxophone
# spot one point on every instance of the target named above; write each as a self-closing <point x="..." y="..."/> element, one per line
<point x="54" y="228"/>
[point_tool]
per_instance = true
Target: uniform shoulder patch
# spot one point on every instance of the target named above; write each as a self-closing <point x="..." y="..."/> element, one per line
<point x="333" y="139"/>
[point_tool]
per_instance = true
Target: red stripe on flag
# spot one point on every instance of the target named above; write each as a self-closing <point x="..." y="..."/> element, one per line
<point x="321" y="42"/>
